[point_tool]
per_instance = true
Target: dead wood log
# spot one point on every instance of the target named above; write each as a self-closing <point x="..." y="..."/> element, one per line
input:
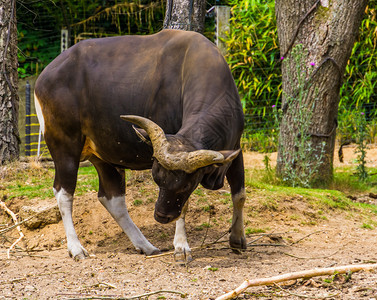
<point x="296" y="275"/>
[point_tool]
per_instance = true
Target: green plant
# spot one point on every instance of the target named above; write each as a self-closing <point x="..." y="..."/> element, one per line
<point x="299" y="166"/>
<point x="249" y="230"/>
<point x="367" y="226"/>
<point x="360" y="76"/>
<point x="361" y="148"/>
<point x="138" y="202"/>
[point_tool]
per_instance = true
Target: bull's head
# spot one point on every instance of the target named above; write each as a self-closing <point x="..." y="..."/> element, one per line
<point x="178" y="167"/>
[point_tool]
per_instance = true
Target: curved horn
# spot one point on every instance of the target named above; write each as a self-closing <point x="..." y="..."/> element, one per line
<point x="155" y="132"/>
<point x="185" y="161"/>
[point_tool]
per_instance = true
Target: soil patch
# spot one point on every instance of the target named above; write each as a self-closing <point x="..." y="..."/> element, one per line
<point x="294" y="239"/>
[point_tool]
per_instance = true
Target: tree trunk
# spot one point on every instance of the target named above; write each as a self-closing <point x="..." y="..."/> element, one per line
<point x="312" y="77"/>
<point x="9" y="137"/>
<point x="185" y="15"/>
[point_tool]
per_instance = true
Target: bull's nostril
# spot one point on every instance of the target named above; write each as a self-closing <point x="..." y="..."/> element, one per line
<point x="162" y="218"/>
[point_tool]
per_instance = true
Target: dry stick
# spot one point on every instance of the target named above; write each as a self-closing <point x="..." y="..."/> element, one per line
<point x="306" y="236"/>
<point x="295" y="275"/>
<point x="14" y="217"/>
<point x="126" y="298"/>
<point x="217" y="241"/>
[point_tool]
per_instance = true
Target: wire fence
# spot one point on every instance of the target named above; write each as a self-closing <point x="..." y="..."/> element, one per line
<point x="259" y="122"/>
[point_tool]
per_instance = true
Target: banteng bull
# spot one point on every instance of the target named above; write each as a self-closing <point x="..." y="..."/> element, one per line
<point x="177" y="88"/>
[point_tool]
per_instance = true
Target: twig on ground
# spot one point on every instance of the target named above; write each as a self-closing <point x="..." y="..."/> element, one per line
<point x="207" y="227"/>
<point x="14" y="217"/>
<point x="306" y="236"/>
<point x="296" y="275"/>
<point x="122" y="298"/>
<point x="268" y="245"/>
<point x="217" y="241"/>
<point x="104" y="284"/>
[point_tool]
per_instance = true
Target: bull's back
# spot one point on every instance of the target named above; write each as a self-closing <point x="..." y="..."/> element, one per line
<point x="86" y="88"/>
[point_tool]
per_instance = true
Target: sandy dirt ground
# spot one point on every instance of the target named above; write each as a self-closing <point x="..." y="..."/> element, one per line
<point x="295" y="237"/>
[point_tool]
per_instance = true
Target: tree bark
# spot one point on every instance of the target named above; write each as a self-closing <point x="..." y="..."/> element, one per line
<point x="185" y="15"/>
<point x="327" y="30"/>
<point x="9" y="137"/>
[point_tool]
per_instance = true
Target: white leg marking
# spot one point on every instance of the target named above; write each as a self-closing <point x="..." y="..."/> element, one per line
<point x="116" y="206"/>
<point x="237" y="235"/>
<point x="65" y="201"/>
<point x="38" y="109"/>
<point x="182" y="251"/>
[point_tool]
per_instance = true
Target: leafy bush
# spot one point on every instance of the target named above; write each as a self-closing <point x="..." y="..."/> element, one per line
<point x="35" y="51"/>
<point x="360" y="88"/>
<point x="253" y="56"/>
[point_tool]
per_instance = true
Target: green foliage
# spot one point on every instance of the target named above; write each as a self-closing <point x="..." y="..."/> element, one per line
<point x="361" y="76"/>
<point x="299" y="167"/>
<point x="361" y="149"/>
<point x="253" y="56"/>
<point x="40" y="23"/>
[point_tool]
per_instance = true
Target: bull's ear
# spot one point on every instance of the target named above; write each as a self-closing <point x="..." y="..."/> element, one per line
<point x="143" y="135"/>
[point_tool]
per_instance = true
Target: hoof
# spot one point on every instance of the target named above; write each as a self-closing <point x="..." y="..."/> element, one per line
<point x="155" y="252"/>
<point x="182" y="257"/>
<point x="237" y="244"/>
<point x="78" y="254"/>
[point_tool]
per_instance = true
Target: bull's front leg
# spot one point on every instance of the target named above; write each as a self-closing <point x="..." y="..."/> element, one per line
<point x="116" y="206"/>
<point x="237" y="238"/>
<point x="111" y="194"/>
<point x="182" y="251"/>
<point x="236" y="179"/>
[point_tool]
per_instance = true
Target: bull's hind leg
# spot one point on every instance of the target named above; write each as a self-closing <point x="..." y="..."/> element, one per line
<point x="111" y="194"/>
<point x="236" y="179"/>
<point x="66" y="167"/>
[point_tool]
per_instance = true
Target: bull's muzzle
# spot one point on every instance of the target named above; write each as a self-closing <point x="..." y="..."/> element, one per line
<point x="163" y="218"/>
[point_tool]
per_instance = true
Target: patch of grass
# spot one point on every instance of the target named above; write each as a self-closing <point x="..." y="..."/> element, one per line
<point x="367" y="226"/>
<point x="249" y="230"/>
<point x="138" y="202"/>
<point x="270" y="204"/>
<point x="274" y="196"/>
<point x="87" y="180"/>
<point x="35" y="181"/>
<point x="203" y="226"/>
<point x="200" y="192"/>
<point x="27" y="181"/>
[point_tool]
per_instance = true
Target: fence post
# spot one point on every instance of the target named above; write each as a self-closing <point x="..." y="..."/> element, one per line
<point x="27" y="120"/>
<point x="222" y="26"/>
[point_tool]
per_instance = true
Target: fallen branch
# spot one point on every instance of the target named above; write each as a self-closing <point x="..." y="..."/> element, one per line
<point x="122" y="298"/>
<point x="296" y="275"/>
<point x="14" y="217"/>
